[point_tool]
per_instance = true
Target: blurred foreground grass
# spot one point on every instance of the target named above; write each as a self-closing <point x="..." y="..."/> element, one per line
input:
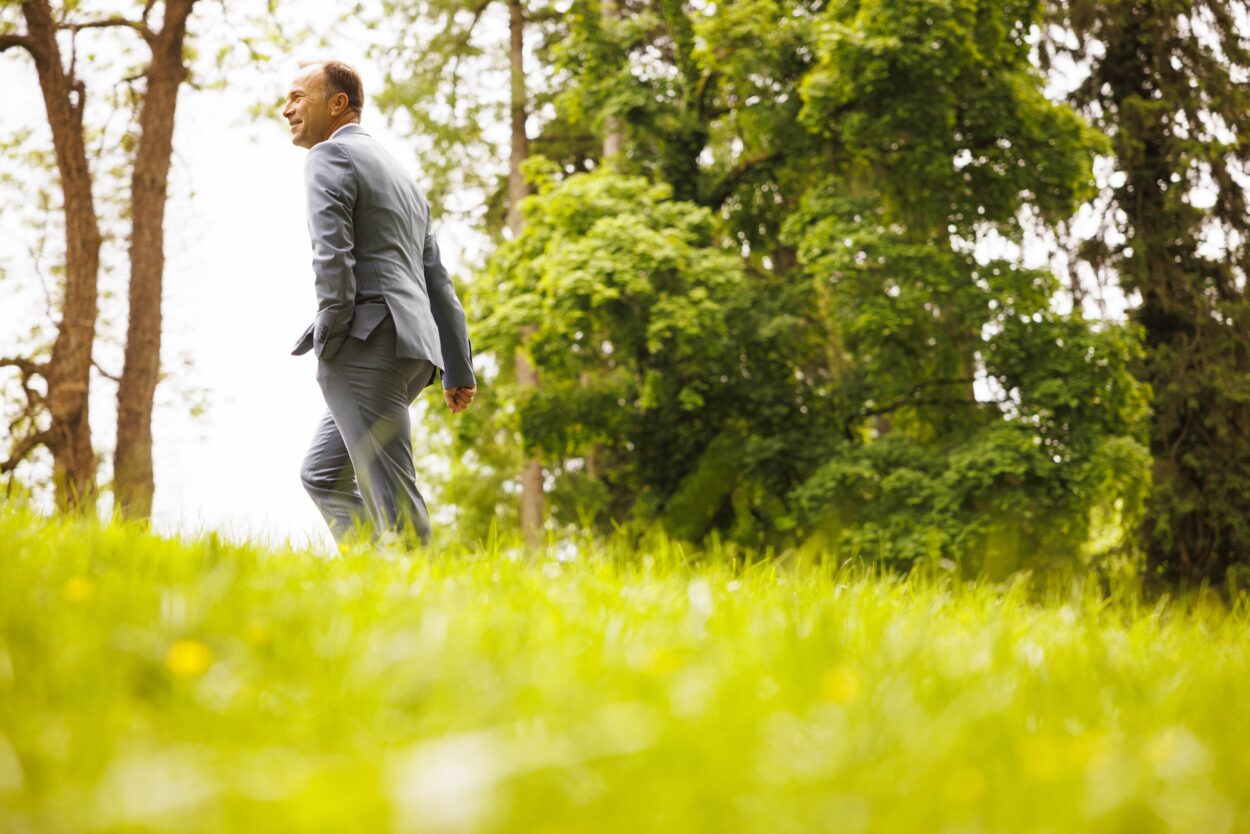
<point x="155" y="685"/>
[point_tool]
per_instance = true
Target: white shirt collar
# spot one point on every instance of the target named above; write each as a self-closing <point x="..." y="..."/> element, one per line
<point x="340" y="127"/>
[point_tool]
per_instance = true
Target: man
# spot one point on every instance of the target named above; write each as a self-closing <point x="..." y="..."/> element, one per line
<point x="388" y="319"/>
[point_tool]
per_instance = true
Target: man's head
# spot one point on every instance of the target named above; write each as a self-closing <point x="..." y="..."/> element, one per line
<point x="324" y="95"/>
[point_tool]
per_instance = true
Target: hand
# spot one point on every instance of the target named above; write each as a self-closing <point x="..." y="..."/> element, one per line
<point x="458" y="398"/>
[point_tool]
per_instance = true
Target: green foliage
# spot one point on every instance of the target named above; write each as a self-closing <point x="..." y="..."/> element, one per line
<point x="640" y="67"/>
<point x="594" y="60"/>
<point x="436" y="44"/>
<point x="735" y="370"/>
<point x="628" y="296"/>
<point x="611" y="257"/>
<point x="781" y="318"/>
<point x="760" y="157"/>
<point x="931" y="470"/>
<point x="978" y="425"/>
<point x="447" y="87"/>
<point x="689" y="513"/>
<point x="205" y="686"/>
<point x="995" y="501"/>
<point x="1167" y="81"/>
<point x="940" y="103"/>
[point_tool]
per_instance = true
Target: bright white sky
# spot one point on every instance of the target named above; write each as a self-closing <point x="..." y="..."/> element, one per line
<point x="238" y="293"/>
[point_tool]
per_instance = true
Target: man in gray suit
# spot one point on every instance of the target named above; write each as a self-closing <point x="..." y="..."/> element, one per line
<point x="388" y="320"/>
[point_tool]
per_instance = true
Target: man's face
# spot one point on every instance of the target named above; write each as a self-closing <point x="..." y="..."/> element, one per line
<point x="307" y="108"/>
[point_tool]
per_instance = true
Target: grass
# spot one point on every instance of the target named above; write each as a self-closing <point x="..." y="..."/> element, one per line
<point x="187" y="686"/>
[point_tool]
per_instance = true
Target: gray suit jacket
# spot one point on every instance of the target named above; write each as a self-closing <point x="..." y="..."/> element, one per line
<point x="374" y="254"/>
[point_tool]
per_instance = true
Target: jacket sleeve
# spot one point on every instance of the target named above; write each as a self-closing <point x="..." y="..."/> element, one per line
<point x="330" y="183"/>
<point x="453" y="330"/>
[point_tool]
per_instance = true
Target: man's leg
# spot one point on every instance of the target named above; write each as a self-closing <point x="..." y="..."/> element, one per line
<point x="367" y="390"/>
<point x="330" y="480"/>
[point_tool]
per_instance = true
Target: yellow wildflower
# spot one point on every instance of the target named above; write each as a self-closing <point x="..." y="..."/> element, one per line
<point x="78" y="589"/>
<point x="840" y="685"/>
<point x="188" y="658"/>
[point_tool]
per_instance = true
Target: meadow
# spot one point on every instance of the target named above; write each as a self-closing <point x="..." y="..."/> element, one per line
<point x="158" y="685"/>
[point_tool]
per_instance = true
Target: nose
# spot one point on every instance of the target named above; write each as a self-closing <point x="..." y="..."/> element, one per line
<point x="287" y="110"/>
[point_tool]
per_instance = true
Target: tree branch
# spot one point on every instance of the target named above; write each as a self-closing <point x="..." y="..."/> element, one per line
<point x="895" y="406"/>
<point x="706" y="83"/>
<point x="910" y="397"/>
<point x="28" y="367"/>
<point x="24" y="447"/>
<point x="24" y="41"/>
<point x="139" y="26"/>
<point x="463" y="43"/>
<point x="730" y="182"/>
<point x="105" y="373"/>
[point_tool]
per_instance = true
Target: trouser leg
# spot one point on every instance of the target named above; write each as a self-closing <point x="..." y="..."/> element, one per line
<point x="368" y="393"/>
<point x="330" y="480"/>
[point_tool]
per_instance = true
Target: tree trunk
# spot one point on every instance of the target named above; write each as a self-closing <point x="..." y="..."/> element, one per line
<point x="517" y="189"/>
<point x="614" y="130"/>
<point x="526" y="374"/>
<point x="133" y="478"/>
<point x="68" y="372"/>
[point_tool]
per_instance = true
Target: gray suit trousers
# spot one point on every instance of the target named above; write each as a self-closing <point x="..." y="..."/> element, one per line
<point x="359" y="469"/>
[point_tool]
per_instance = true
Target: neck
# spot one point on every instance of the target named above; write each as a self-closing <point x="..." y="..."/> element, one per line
<point x="336" y="125"/>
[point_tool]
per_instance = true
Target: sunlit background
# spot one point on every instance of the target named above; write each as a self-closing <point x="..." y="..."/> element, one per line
<point x="235" y="411"/>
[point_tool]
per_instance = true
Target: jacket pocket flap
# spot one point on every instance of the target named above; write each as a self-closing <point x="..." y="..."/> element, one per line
<point x="366" y="318"/>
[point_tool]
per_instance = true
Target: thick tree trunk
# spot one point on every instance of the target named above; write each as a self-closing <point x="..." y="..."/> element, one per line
<point x="526" y="374"/>
<point x="133" y="478"/>
<point x="68" y="372"/>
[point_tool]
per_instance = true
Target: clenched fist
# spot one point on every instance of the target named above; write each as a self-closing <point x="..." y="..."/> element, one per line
<point x="458" y="398"/>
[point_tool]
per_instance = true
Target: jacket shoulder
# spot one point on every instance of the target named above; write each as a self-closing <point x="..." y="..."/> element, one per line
<point x="331" y="153"/>
<point x="329" y="166"/>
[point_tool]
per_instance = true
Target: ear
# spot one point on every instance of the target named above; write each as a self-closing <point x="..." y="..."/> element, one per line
<point x="335" y="101"/>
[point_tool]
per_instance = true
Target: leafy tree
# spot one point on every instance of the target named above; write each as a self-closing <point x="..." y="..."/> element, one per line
<point x="928" y="470"/>
<point x="705" y="101"/>
<point x="940" y="136"/>
<point x="873" y="312"/>
<point x="854" y="367"/>
<point x="627" y="293"/>
<point x="58" y="417"/>
<point x="1167" y="82"/>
